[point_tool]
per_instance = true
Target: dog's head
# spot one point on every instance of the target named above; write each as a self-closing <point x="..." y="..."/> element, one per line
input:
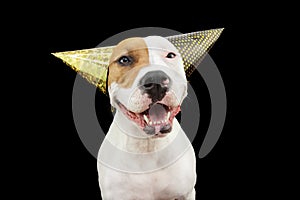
<point x="147" y="82"/>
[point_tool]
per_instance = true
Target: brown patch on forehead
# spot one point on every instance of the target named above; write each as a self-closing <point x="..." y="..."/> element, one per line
<point x="137" y="49"/>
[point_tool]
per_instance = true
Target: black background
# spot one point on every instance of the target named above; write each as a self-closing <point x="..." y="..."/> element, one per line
<point x="242" y="163"/>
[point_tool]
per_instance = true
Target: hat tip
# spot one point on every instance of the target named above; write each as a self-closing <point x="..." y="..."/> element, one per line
<point x="54" y="54"/>
<point x="221" y="29"/>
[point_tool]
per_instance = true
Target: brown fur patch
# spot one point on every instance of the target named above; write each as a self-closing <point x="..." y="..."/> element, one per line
<point x="124" y="76"/>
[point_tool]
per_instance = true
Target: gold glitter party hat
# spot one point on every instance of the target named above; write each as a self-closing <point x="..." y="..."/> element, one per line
<point x="194" y="46"/>
<point x="92" y="64"/>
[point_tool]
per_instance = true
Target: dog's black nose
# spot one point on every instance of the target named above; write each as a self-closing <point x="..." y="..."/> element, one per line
<point x="155" y="84"/>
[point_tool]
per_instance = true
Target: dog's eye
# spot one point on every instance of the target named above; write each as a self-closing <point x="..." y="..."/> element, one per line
<point x="171" y="55"/>
<point x="125" y="60"/>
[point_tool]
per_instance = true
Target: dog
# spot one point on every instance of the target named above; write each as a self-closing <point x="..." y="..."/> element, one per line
<point x="146" y="154"/>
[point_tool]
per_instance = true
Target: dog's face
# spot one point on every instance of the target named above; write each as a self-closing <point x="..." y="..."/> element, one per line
<point x="147" y="83"/>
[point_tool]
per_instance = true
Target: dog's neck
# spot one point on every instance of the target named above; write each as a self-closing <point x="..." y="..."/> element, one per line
<point x="128" y="137"/>
<point x="126" y="152"/>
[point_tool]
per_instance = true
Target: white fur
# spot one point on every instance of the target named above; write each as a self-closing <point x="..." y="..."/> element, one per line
<point x="131" y="164"/>
<point x="172" y="181"/>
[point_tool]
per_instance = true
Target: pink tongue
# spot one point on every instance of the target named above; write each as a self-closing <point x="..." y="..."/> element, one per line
<point x="157" y="113"/>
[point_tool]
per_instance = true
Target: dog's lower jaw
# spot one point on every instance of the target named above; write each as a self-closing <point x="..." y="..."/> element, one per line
<point x="127" y="136"/>
<point x="127" y="127"/>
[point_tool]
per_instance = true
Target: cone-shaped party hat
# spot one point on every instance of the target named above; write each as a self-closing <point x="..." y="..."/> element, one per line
<point x="92" y="64"/>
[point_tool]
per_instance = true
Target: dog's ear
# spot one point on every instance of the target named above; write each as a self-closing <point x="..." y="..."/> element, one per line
<point x="106" y="82"/>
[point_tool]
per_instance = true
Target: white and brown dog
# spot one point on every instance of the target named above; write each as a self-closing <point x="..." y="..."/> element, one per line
<point x="146" y="154"/>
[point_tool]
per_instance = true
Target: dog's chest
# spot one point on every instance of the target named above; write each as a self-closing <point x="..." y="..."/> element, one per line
<point x="130" y="171"/>
<point x="166" y="183"/>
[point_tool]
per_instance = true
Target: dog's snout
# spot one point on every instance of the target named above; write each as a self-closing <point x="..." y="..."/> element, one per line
<point x="155" y="84"/>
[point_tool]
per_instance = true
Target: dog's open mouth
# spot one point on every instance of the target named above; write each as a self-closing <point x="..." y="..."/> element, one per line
<point x="156" y="120"/>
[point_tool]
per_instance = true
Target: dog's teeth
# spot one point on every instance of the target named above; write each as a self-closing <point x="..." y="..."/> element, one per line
<point x="146" y="119"/>
<point x="154" y="122"/>
<point x="162" y="121"/>
<point x="150" y="123"/>
<point x="168" y="116"/>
